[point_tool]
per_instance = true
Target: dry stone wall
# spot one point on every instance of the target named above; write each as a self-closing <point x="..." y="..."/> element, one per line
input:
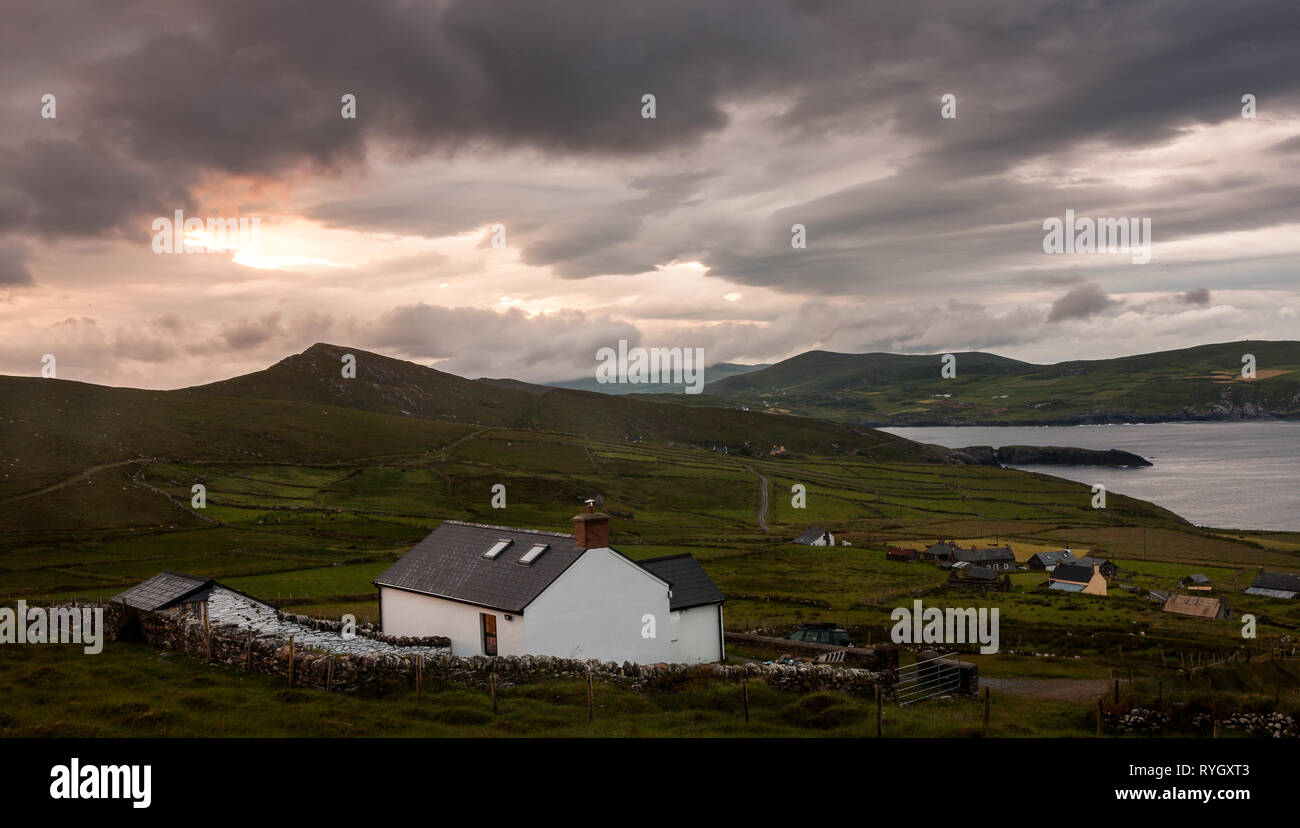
<point x="373" y="673"/>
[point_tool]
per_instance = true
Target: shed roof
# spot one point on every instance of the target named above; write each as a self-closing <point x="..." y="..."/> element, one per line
<point x="1201" y="606"/>
<point x="1064" y="587"/>
<point x="1271" y="593"/>
<point x="691" y="585"/>
<point x="164" y="590"/>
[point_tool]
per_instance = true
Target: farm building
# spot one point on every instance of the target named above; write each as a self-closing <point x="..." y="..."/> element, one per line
<point x="1046" y="561"/>
<point x="978" y="577"/>
<point x="941" y="551"/>
<point x="996" y="558"/>
<point x="895" y="553"/>
<point x="495" y="590"/>
<point x="1275" y="585"/>
<point x="176" y="592"/>
<point x="1199" y="606"/>
<point x="1077" y="577"/>
<point x="815" y="537"/>
<point x="1108" y="568"/>
<point x="1198" y="582"/>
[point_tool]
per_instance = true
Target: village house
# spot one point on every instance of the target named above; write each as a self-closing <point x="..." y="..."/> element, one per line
<point x="997" y="558"/>
<point x="1198" y="582"/>
<point x="1198" y="606"/>
<point x="1077" y="577"/>
<point x="1275" y="585"/>
<point x="895" y="553"/>
<point x="1046" y="561"/>
<point x="495" y="590"/>
<point x="941" y="551"/>
<point x="815" y="537"/>
<point x="1108" y="568"/>
<point x="965" y="576"/>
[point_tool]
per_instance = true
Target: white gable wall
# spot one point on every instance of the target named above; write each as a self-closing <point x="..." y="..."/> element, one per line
<point x="594" y="610"/>
<point x="411" y="613"/>
<point x="695" y="635"/>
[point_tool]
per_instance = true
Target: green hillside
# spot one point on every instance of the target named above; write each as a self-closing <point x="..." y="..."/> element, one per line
<point x="1201" y="383"/>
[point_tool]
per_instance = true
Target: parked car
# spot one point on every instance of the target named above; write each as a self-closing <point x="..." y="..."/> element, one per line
<point x="822" y="634"/>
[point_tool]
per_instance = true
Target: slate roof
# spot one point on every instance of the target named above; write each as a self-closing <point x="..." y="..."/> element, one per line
<point x="978" y="573"/>
<point x="164" y="590"/>
<point x="691" y="586"/>
<point x="1088" y="560"/>
<point x="449" y="563"/>
<point x="1053" y="558"/>
<point x="1280" y="581"/>
<point x="1077" y="573"/>
<point x="988" y="555"/>
<point x="1198" y="578"/>
<point x="810" y="535"/>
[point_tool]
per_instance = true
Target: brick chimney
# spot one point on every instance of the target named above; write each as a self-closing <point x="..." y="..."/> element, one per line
<point x="591" y="530"/>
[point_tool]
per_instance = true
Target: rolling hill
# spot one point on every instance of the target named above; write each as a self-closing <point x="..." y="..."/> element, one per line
<point x="302" y="410"/>
<point x="1201" y="383"/>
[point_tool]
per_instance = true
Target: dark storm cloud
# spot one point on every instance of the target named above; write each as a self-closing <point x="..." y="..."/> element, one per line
<point x="178" y="91"/>
<point x="13" y="265"/>
<point x="475" y="341"/>
<point x="1080" y="303"/>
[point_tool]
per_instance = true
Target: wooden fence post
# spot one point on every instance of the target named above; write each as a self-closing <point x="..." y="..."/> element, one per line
<point x="591" y="699"/>
<point x="744" y="694"/>
<point x="492" y="688"/>
<point x="207" y="635"/>
<point x="291" y="661"/>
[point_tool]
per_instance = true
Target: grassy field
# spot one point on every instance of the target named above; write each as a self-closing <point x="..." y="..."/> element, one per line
<point x="134" y="690"/>
<point x="308" y="523"/>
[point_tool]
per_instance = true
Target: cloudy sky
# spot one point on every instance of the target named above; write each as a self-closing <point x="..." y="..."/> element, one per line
<point x="924" y="233"/>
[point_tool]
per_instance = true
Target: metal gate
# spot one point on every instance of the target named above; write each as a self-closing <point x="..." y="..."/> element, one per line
<point x="929" y="678"/>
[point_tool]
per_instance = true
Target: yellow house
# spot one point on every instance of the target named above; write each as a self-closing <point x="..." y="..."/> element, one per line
<point x="1077" y="578"/>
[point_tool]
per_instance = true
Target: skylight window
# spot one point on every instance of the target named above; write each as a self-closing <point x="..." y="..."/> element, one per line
<point x="497" y="549"/>
<point x="534" y="553"/>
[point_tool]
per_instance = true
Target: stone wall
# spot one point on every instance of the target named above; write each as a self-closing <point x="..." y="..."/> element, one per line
<point x="377" y="673"/>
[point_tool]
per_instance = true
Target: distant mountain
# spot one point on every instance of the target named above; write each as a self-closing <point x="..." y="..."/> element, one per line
<point x="712" y="373"/>
<point x="1201" y="383"/>
<point x="302" y="409"/>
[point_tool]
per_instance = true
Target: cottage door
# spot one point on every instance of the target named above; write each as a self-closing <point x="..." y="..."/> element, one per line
<point x="489" y="633"/>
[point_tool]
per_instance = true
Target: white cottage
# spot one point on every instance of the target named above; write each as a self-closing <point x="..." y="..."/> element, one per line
<point x="495" y="590"/>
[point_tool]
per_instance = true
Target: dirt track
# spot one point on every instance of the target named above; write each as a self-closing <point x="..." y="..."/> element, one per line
<point x="1072" y="690"/>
